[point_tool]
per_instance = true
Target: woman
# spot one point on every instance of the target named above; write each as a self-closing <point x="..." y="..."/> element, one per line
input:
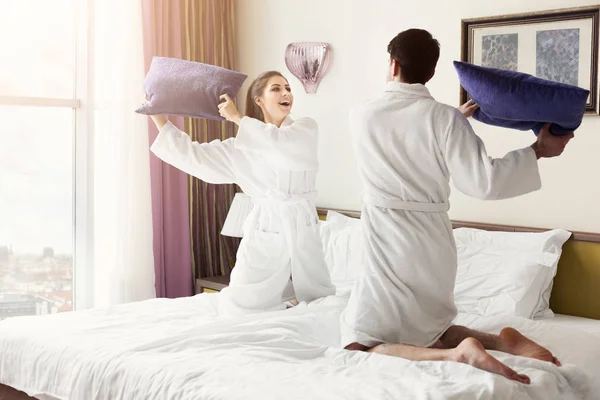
<point x="274" y="160"/>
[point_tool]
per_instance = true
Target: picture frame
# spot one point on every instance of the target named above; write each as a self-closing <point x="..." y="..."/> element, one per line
<point x="558" y="45"/>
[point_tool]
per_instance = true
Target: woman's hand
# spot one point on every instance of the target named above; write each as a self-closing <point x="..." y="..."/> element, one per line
<point x="159" y="120"/>
<point x="229" y="111"/>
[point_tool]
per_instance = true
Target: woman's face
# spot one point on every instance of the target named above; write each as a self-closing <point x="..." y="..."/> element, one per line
<point x="277" y="99"/>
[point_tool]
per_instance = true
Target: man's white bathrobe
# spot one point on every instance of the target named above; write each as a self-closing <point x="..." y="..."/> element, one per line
<point x="277" y="167"/>
<point x="408" y="146"/>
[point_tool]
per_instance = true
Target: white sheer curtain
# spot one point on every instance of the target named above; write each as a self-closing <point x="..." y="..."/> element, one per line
<point x="122" y="251"/>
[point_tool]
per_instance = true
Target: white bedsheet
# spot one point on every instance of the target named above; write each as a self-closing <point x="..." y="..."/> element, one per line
<point x="585" y="324"/>
<point x="178" y="349"/>
<point x="573" y="340"/>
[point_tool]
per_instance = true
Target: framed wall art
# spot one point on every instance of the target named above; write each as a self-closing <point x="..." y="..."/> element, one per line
<point x="557" y="45"/>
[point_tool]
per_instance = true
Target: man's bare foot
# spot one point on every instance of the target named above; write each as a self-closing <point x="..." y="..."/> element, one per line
<point x="470" y="351"/>
<point x="513" y="342"/>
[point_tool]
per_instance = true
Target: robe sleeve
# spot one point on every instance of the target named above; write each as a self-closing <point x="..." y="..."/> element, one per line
<point x="476" y="174"/>
<point x="210" y="162"/>
<point x="293" y="146"/>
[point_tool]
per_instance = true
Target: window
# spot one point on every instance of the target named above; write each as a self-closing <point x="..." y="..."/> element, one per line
<point x="43" y="162"/>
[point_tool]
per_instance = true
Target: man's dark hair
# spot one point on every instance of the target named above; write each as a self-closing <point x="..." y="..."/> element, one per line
<point x="416" y="53"/>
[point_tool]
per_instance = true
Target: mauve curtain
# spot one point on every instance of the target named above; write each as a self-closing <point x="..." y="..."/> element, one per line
<point x="163" y="22"/>
<point x="209" y="34"/>
<point x="187" y="213"/>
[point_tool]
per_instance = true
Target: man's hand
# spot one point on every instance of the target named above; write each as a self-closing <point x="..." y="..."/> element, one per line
<point x="468" y="109"/>
<point x="548" y="145"/>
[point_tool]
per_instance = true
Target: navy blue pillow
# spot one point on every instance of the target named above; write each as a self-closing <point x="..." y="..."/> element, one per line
<point x="520" y="101"/>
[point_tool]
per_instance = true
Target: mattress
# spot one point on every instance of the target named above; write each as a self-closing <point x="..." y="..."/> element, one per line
<point x="180" y="349"/>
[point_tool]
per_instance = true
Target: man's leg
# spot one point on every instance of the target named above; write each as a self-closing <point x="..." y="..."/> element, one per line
<point x="508" y="341"/>
<point x="469" y="351"/>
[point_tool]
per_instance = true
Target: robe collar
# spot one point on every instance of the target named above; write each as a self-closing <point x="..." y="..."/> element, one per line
<point x="416" y="89"/>
<point x="286" y="122"/>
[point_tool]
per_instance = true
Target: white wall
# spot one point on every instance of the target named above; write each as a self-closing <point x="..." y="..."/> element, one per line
<point x="359" y="31"/>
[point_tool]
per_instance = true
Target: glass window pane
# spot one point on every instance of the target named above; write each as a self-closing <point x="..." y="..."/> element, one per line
<point x="37" y="50"/>
<point x="36" y="210"/>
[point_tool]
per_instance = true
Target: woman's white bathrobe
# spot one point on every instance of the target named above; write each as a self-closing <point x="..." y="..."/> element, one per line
<point x="277" y="167"/>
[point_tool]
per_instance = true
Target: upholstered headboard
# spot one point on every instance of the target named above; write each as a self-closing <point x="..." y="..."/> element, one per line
<point x="576" y="289"/>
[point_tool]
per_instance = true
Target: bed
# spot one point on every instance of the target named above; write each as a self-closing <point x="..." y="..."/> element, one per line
<point x="180" y="349"/>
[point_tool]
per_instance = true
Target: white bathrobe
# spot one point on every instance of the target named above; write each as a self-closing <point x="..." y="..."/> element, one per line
<point x="277" y="167"/>
<point x="408" y="146"/>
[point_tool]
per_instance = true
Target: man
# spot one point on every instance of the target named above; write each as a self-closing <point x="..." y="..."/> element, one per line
<point x="408" y="146"/>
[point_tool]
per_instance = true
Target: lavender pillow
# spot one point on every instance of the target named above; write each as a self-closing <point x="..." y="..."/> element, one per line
<point x="521" y="101"/>
<point x="186" y="88"/>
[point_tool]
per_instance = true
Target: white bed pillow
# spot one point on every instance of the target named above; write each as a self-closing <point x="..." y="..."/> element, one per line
<point x="506" y="272"/>
<point x="344" y="249"/>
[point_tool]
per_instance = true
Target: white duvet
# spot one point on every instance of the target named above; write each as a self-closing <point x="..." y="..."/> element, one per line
<point x="179" y="349"/>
